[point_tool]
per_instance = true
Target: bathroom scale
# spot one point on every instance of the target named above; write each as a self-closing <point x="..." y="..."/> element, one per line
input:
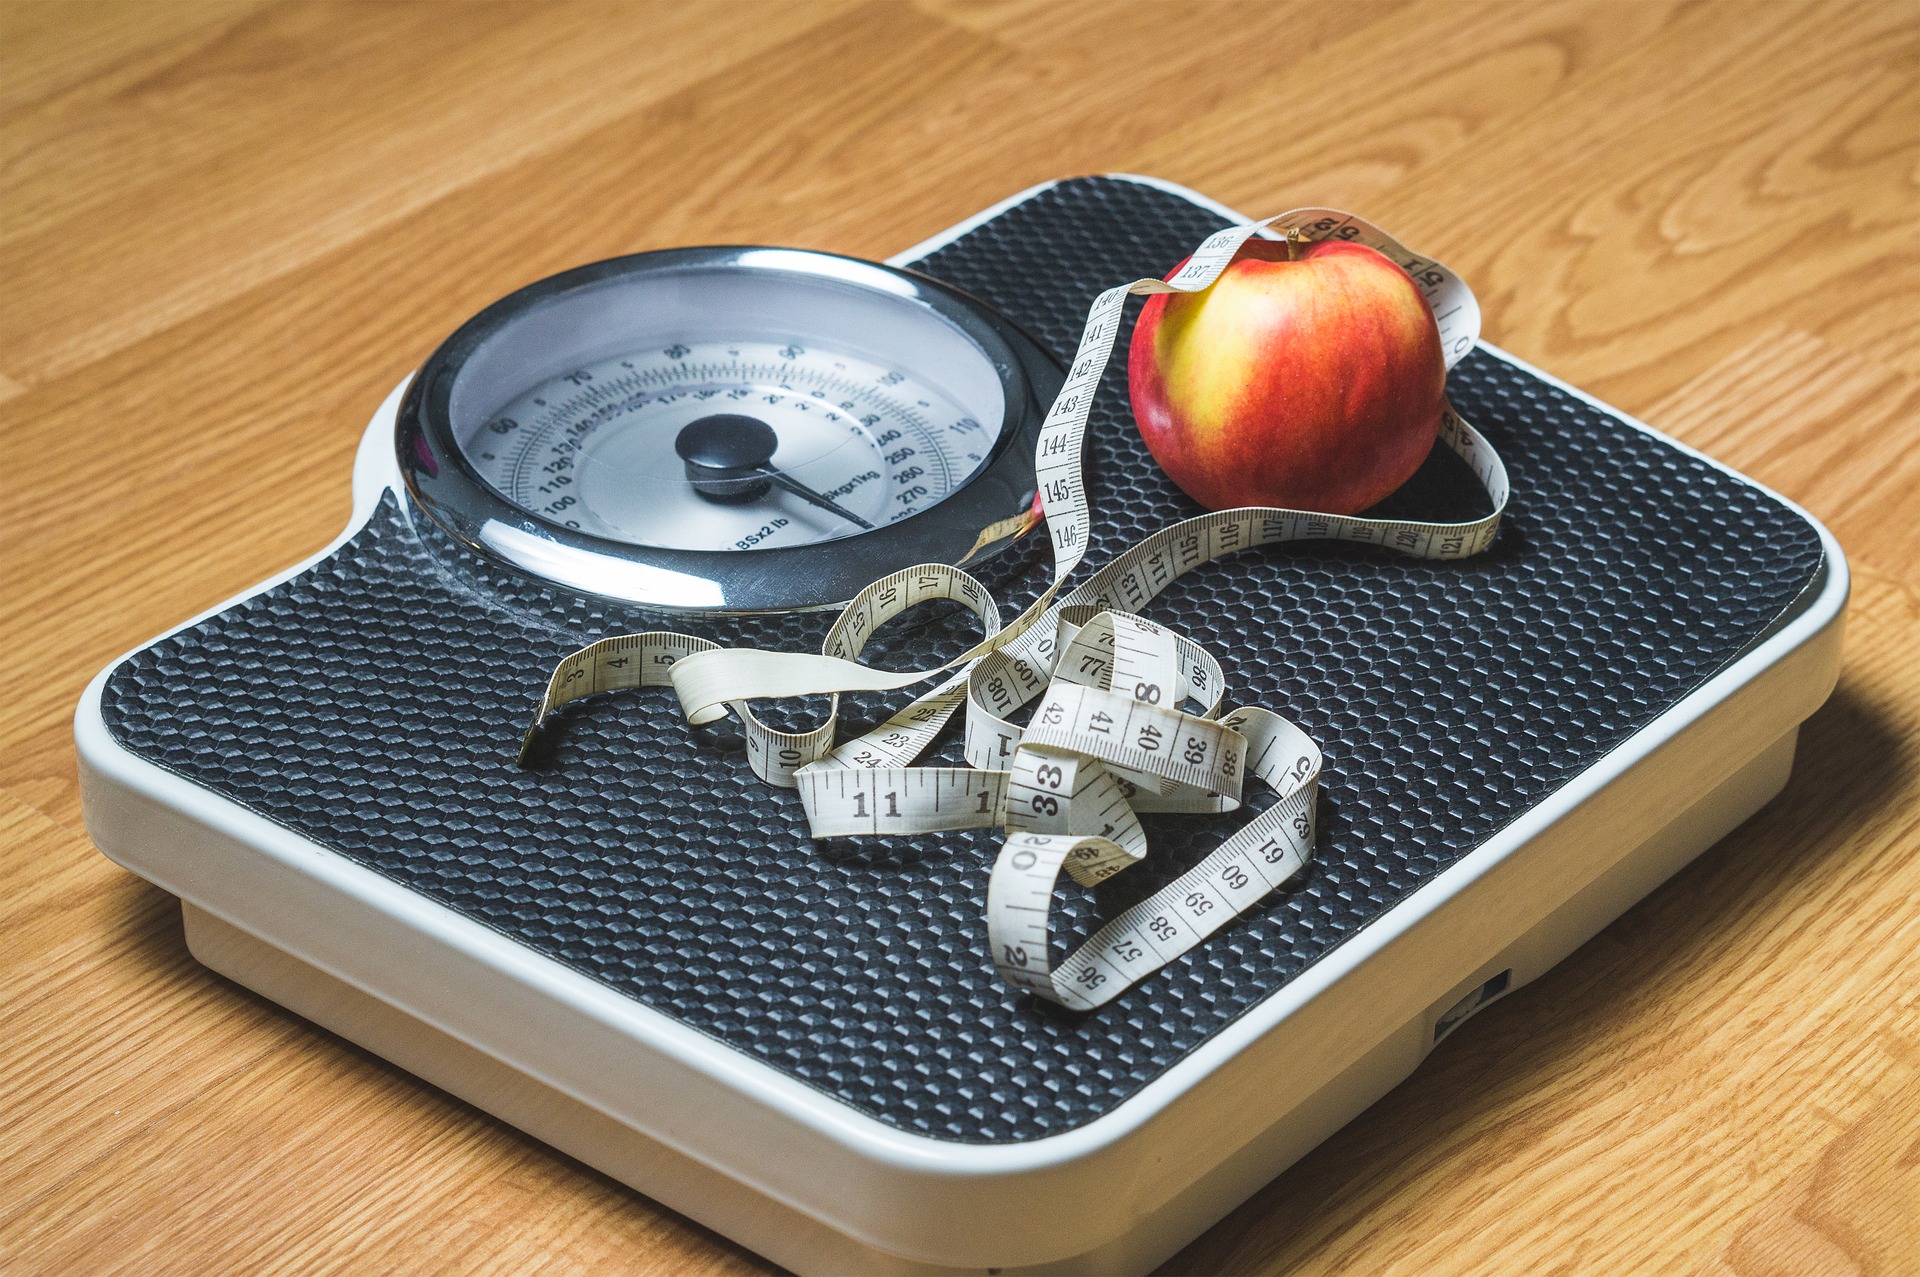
<point x="616" y="935"/>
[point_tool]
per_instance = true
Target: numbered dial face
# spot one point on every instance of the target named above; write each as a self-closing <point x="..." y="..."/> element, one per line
<point x="728" y="429"/>
<point x="850" y="445"/>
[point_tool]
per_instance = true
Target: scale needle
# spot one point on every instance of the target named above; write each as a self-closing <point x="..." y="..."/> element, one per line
<point x="805" y="493"/>
<point x="727" y="457"/>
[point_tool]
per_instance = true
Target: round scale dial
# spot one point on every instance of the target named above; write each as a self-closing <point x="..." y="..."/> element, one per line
<point x="728" y="429"/>
<point x="858" y="444"/>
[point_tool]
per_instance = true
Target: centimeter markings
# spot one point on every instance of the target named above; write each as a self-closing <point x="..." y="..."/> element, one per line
<point x="1262" y="855"/>
<point x="1108" y="736"/>
<point x="1181" y="915"/>
<point x="1061" y="791"/>
<point x="1139" y="737"/>
<point x="613" y="664"/>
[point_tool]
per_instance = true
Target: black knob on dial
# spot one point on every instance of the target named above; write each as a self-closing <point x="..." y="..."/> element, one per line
<point x="726" y="456"/>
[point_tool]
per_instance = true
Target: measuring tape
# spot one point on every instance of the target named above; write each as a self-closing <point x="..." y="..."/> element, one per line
<point x="1128" y="714"/>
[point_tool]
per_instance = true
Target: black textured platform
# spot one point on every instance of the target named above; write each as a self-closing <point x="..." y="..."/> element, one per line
<point x="1448" y="699"/>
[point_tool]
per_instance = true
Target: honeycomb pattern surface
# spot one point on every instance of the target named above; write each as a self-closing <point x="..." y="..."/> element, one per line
<point x="374" y="703"/>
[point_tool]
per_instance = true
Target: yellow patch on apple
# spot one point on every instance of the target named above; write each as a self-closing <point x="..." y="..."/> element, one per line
<point x="1309" y="376"/>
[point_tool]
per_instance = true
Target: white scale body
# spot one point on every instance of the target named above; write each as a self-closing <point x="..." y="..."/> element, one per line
<point x="820" y="1187"/>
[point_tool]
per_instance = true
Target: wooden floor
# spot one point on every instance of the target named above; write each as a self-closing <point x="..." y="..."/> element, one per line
<point x="227" y="229"/>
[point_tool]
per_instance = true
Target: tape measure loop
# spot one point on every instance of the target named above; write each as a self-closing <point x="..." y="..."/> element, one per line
<point x="1128" y="716"/>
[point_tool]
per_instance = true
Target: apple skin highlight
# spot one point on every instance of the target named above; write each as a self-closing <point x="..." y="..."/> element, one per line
<point x="1315" y="384"/>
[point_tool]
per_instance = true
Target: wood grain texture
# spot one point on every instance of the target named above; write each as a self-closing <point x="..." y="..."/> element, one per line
<point x="227" y="228"/>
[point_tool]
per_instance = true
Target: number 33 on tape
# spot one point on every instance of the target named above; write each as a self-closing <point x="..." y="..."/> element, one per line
<point x="1128" y="717"/>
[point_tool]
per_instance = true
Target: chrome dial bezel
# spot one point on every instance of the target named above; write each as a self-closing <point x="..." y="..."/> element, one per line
<point x="448" y="488"/>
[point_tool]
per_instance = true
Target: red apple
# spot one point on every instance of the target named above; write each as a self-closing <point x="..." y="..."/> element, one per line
<point x="1309" y="376"/>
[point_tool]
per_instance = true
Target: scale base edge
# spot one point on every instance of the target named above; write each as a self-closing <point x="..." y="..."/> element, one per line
<point x="797" y="1241"/>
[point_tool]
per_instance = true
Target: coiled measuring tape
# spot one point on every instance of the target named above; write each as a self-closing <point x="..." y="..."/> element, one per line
<point x="1128" y="717"/>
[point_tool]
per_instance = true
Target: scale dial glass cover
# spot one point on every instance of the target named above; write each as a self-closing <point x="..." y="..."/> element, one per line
<point x="728" y="429"/>
<point x="594" y="448"/>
